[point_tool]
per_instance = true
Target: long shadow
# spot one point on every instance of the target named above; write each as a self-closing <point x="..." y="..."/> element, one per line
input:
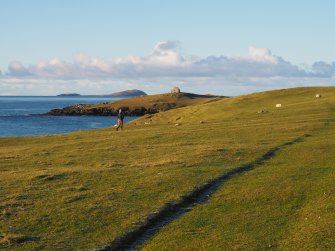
<point x="133" y="239"/>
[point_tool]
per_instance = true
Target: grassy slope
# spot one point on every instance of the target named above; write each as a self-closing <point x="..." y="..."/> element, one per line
<point x="81" y="190"/>
<point x="286" y="204"/>
<point x="179" y="99"/>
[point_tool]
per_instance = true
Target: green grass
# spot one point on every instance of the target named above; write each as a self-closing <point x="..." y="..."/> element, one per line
<point x="160" y="102"/>
<point x="81" y="190"/>
<point x="286" y="204"/>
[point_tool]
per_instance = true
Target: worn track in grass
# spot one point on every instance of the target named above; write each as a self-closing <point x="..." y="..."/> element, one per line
<point x="136" y="237"/>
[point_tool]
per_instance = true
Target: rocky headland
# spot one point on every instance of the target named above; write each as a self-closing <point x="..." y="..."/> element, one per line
<point x="136" y="106"/>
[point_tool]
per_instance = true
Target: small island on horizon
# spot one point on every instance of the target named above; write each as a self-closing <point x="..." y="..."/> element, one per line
<point x="126" y="93"/>
<point x="68" y="95"/>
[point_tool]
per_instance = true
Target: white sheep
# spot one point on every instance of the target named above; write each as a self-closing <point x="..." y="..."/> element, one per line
<point x="278" y="105"/>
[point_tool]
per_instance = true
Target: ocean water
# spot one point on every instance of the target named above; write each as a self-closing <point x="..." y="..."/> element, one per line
<point x="16" y="117"/>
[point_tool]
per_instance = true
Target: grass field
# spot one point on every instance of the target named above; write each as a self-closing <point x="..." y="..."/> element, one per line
<point x="286" y="204"/>
<point x="82" y="190"/>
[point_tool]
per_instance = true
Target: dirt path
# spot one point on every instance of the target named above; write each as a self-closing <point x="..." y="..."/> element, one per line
<point x="174" y="210"/>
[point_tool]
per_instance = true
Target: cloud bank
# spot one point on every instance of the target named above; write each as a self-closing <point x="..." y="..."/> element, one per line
<point x="166" y="65"/>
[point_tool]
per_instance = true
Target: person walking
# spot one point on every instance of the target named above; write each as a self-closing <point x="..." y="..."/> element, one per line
<point x="120" y="117"/>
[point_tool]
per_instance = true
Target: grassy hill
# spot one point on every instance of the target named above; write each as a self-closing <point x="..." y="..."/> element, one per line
<point x="137" y="106"/>
<point x="85" y="189"/>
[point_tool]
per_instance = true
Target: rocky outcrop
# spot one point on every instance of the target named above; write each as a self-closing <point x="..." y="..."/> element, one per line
<point x="87" y="110"/>
<point x="136" y="106"/>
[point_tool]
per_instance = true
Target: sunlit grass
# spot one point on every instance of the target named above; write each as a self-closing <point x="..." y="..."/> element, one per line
<point x="286" y="204"/>
<point x="81" y="190"/>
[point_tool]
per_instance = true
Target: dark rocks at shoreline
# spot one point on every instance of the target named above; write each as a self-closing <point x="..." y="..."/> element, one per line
<point x="84" y="110"/>
<point x="135" y="106"/>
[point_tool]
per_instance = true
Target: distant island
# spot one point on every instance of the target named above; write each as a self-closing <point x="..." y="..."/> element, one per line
<point x="127" y="93"/>
<point x="68" y="95"/>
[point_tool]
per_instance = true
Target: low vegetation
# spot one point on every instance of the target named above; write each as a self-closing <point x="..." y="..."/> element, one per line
<point x="84" y="189"/>
<point x="285" y="204"/>
<point x="137" y="106"/>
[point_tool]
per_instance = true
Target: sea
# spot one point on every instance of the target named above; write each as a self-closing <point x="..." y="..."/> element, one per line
<point x="17" y="115"/>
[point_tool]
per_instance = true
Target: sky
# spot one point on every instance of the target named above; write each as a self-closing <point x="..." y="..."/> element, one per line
<point x="49" y="47"/>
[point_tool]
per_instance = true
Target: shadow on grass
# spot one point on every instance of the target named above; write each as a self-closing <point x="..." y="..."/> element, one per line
<point x="9" y="239"/>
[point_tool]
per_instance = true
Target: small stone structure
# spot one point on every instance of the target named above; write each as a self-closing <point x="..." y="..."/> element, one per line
<point x="175" y="89"/>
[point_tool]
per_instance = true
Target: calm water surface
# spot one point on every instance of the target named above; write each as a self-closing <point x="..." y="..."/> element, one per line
<point x="16" y="118"/>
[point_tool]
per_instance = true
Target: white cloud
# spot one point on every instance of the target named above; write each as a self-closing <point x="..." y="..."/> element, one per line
<point x="261" y="55"/>
<point x="166" y="66"/>
<point x="166" y="53"/>
<point x="323" y="69"/>
<point x="164" y="61"/>
<point x="17" y="69"/>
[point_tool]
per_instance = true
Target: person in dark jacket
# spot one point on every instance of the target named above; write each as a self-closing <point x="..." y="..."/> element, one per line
<point x="120" y="117"/>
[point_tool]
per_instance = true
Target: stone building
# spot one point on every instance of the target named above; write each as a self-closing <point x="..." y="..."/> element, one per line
<point x="175" y="89"/>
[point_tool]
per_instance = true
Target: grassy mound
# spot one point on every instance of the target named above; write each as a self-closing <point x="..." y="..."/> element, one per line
<point x="137" y="106"/>
<point x="179" y="99"/>
<point x="82" y="190"/>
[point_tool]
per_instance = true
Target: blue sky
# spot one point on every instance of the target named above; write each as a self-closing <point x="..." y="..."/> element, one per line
<point x="299" y="32"/>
